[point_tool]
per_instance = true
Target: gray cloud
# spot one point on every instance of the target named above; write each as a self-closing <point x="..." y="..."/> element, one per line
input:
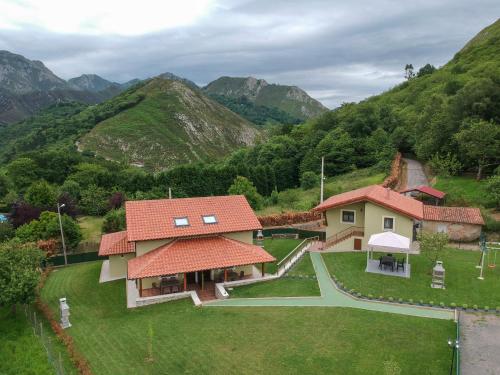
<point x="337" y="51"/>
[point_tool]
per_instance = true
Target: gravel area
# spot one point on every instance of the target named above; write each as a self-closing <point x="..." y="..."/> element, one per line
<point x="480" y="344"/>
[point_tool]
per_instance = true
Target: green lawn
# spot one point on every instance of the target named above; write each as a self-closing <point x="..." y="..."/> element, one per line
<point x="303" y="200"/>
<point x="462" y="285"/>
<point x="91" y="228"/>
<point x="462" y="191"/>
<point x="279" y="248"/>
<point x="177" y="338"/>
<point x="21" y="352"/>
<point x="290" y="286"/>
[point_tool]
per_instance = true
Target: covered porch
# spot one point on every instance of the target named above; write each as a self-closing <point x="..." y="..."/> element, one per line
<point x="389" y="264"/>
<point x="194" y="265"/>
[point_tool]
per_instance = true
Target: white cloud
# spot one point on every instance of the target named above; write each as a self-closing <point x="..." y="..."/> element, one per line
<point x="99" y="17"/>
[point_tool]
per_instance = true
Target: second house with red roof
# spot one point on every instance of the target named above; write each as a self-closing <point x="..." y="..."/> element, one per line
<point x="177" y="245"/>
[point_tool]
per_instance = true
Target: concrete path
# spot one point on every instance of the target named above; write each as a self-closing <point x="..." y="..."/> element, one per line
<point x="333" y="297"/>
<point x="415" y="175"/>
<point x="480" y="344"/>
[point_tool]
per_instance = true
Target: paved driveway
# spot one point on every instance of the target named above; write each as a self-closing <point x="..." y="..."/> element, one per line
<point x="480" y="344"/>
<point x="415" y="174"/>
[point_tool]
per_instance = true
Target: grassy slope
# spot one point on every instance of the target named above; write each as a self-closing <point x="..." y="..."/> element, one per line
<point x="285" y="286"/>
<point x="303" y="200"/>
<point x="279" y="248"/>
<point x="91" y="228"/>
<point x="239" y="340"/>
<point x="462" y="191"/>
<point x="152" y="132"/>
<point x="462" y="285"/>
<point x="21" y="352"/>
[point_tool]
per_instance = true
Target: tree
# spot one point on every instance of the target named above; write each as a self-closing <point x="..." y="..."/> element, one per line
<point x="19" y="273"/>
<point x="4" y="186"/>
<point x="432" y="245"/>
<point x="479" y="140"/>
<point x="426" y="69"/>
<point x="493" y="190"/>
<point x="72" y="188"/>
<point x="47" y="227"/>
<point x="41" y="194"/>
<point x="409" y="74"/>
<point x="308" y="180"/>
<point x="242" y="185"/>
<point x="446" y="165"/>
<point x="114" y="221"/>
<point x="22" y="173"/>
<point x="116" y="200"/>
<point x="22" y="213"/>
<point x="94" y="200"/>
<point x="6" y="231"/>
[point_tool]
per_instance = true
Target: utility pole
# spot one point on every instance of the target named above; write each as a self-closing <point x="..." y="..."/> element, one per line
<point x="322" y="179"/>
<point x="62" y="232"/>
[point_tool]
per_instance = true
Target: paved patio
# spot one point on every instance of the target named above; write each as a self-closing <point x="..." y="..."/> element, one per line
<point x="373" y="267"/>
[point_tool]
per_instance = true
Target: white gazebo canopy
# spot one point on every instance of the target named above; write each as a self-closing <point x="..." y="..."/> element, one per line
<point x="389" y="241"/>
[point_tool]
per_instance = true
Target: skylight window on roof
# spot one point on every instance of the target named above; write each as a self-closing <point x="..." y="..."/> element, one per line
<point x="181" y="221"/>
<point x="209" y="219"/>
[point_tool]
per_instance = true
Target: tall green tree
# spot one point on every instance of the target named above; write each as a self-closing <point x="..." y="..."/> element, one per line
<point x="243" y="186"/>
<point x="41" y="194"/>
<point x="19" y="273"/>
<point x="479" y="141"/>
<point x="22" y="172"/>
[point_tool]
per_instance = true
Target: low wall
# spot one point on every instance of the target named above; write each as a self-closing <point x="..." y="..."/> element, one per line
<point x="144" y="301"/>
<point x="455" y="231"/>
<point x="393" y="179"/>
<point x="289" y="218"/>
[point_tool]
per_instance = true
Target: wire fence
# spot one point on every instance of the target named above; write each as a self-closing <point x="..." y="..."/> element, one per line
<point x="41" y="330"/>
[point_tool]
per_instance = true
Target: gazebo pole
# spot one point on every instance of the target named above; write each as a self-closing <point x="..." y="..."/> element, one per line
<point x="367" y="257"/>
<point x="407" y="257"/>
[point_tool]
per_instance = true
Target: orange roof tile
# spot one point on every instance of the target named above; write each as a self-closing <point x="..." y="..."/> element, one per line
<point x="466" y="215"/>
<point x="115" y="243"/>
<point x="378" y="195"/>
<point x="154" y="219"/>
<point x="196" y="254"/>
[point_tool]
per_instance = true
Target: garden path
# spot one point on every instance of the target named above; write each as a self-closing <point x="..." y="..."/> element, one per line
<point x="331" y="296"/>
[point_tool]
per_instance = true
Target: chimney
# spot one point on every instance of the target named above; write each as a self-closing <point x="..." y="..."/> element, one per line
<point x="387" y="192"/>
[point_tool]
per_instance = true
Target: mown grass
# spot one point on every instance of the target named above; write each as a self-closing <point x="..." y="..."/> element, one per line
<point x="462" y="285"/>
<point x="289" y="286"/>
<point x="91" y="227"/>
<point x="279" y="248"/>
<point x="176" y="338"/>
<point x="21" y="352"/>
<point x="304" y="199"/>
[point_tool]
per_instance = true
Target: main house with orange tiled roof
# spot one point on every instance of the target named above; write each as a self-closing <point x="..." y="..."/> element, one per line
<point x="352" y="217"/>
<point x="174" y="245"/>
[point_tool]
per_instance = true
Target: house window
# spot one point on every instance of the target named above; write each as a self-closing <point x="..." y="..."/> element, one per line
<point x="388" y="223"/>
<point x="209" y="219"/>
<point x="348" y="217"/>
<point x="181" y="221"/>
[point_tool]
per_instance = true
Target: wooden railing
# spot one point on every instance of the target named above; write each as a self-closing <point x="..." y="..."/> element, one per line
<point x="343" y="235"/>
<point x="282" y="263"/>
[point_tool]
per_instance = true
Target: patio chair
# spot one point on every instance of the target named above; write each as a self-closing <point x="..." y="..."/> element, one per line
<point x="380" y="262"/>
<point x="401" y="264"/>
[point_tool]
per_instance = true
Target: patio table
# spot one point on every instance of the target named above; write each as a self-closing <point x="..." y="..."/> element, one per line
<point x="388" y="261"/>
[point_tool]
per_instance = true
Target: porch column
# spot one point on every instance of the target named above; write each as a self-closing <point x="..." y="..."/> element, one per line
<point x="263" y="264"/>
<point x="185" y="281"/>
<point x="225" y="274"/>
<point x="140" y="287"/>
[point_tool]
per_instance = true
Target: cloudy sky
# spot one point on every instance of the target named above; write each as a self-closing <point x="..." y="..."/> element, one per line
<point x="336" y="50"/>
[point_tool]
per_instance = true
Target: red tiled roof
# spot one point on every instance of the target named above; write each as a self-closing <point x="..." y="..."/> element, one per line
<point x="427" y="190"/>
<point x="115" y="243"/>
<point x="154" y="219"/>
<point x="466" y="215"/>
<point x="196" y="254"/>
<point x="378" y="195"/>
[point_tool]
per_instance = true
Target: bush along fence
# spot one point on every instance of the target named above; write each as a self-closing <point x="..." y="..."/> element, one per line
<point x="58" y="260"/>
<point x="289" y="218"/>
<point x="76" y="357"/>
<point x="302" y="233"/>
<point x="436" y="304"/>
<point x="393" y="179"/>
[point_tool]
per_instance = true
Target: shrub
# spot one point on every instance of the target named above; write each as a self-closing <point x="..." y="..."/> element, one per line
<point x="421" y="302"/>
<point x="370" y="296"/>
<point x="381" y="298"/>
<point x="390" y="299"/>
<point x="475" y="307"/>
<point x="308" y="180"/>
<point x="498" y="309"/>
<point x="410" y="301"/>
<point x="6" y="231"/>
<point x="486" y="308"/>
<point x="400" y="300"/>
<point x="431" y="303"/>
<point x="441" y="304"/>
<point x="453" y="305"/>
<point x="446" y="165"/>
<point x="465" y="306"/>
<point x="114" y="221"/>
